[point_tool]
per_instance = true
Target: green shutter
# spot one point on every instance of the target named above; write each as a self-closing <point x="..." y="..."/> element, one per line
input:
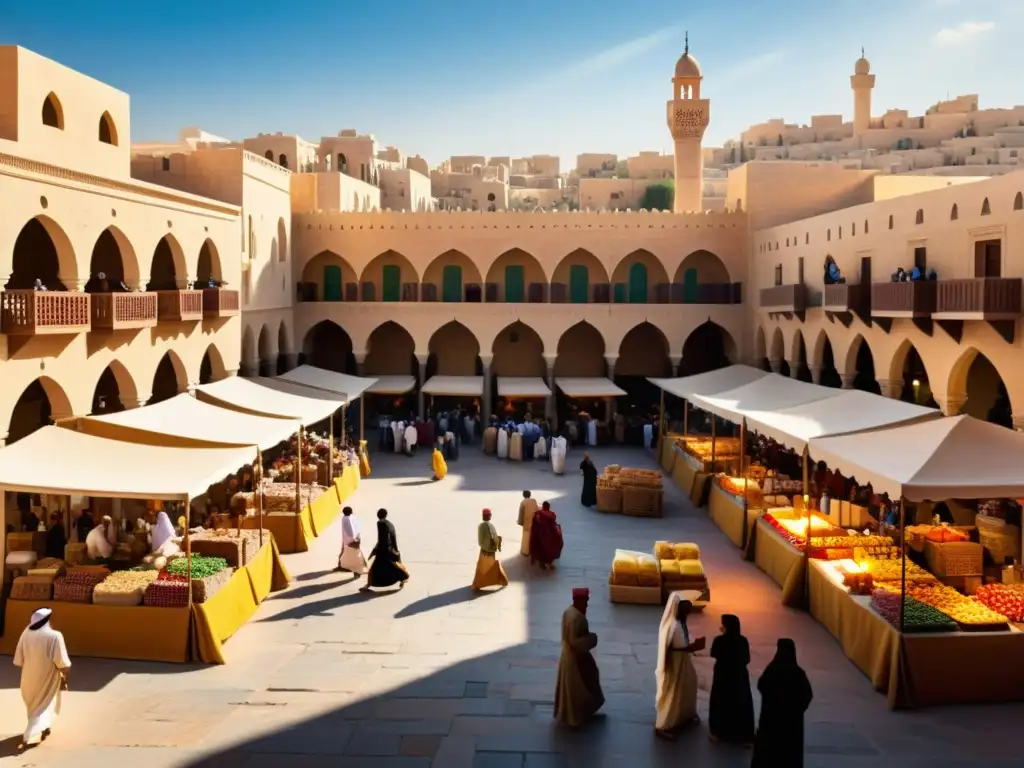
<point x="637" y="283"/>
<point x="579" y="284"/>
<point x="515" y="283"/>
<point x="619" y="293"/>
<point x="392" y="280"/>
<point x="690" y="290"/>
<point x="332" y="283"/>
<point x="451" y="283"/>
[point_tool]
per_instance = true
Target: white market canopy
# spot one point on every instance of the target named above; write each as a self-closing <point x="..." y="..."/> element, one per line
<point x="847" y="412"/>
<point x="456" y="386"/>
<point x="320" y="378"/>
<point x="712" y="382"/>
<point x="392" y="385"/>
<point x="527" y="386"/>
<point x="185" y="421"/>
<point x="267" y="397"/>
<point x="958" y="457"/>
<point x="768" y="393"/>
<point x="61" y="461"/>
<point x="582" y="387"/>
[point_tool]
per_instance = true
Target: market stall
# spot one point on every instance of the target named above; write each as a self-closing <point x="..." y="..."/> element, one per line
<point x="587" y="391"/>
<point x="514" y="390"/>
<point x="351" y="388"/>
<point x="185" y="608"/>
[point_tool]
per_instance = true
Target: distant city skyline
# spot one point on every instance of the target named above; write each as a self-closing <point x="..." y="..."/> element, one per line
<point x="536" y="78"/>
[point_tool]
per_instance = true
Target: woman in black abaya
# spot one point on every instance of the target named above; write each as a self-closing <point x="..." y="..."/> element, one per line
<point x="386" y="568"/>
<point x="588" y="497"/>
<point x="732" y="706"/>
<point x="785" y="696"/>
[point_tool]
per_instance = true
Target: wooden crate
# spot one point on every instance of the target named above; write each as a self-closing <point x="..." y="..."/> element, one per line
<point x="954" y="558"/>
<point x="609" y="499"/>
<point x="633" y="595"/>
<point x="642" y="502"/>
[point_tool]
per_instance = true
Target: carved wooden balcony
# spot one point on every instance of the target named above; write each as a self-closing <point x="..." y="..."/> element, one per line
<point x="24" y="312"/>
<point x="785" y="299"/>
<point x="184" y="306"/>
<point x="844" y="301"/>
<point x="912" y="300"/>
<point x="220" y="302"/>
<point x="996" y="300"/>
<point x="123" y="311"/>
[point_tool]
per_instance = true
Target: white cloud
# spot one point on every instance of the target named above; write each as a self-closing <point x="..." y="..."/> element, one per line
<point x="750" y="67"/>
<point x="964" y="32"/>
<point x="617" y="55"/>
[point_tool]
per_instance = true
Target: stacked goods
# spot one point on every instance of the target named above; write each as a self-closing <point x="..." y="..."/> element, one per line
<point x="954" y="558"/>
<point x="917" y="616"/>
<point x="280" y="497"/>
<point x="1005" y="599"/>
<point x="236" y="547"/>
<point x="609" y="493"/>
<point x="876" y="552"/>
<point x="700" y="447"/>
<point x="892" y="570"/>
<point x="78" y="585"/>
<point x="630" y="491"/>
<point x="681" y="568"/>
<point x="123" y="588"/>
<point x="937" y="533"/>
<point x="998" y="537"/>
<point x="859" y="581"/>
<point x="625" y="568"/>
<point x="209" y="574"/>
<point x="842" y="547"/>
<point x="164" y="593"/>
<point x="30" y="587"/>
<point x="969" y="614"/>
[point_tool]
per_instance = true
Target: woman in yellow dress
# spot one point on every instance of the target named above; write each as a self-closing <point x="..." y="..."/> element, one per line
<point x="489" y="572"/>
<point x="440" y="466"/>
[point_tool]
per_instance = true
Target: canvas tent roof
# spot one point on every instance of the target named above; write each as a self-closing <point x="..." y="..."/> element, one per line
<point x="184" y="421"/>
<point x="768" y="393"/>
<point x="392" y="385"/>
<point x="712" y="382"/>
<point x="267" y="397"/>
<point x="61" y="461"/>
<point x="950" y="458"/>
<point x="458" y="386"/>
<point x="320" y="378"/>
<point x="522" y="386"/>
<point x="588" y="387"/>
<point x="847" y="412"/>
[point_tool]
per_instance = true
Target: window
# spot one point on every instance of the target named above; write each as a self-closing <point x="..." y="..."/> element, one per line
<point x="53" y="115"/>
<point x="269" y="154"/>
<point x="342" y="163"/>
<point x="986" y="209"/>
<point x="890" y="221"/>
<point x="807" y="238"/>
<point x="107" y="131"/>
<point x="282" y="160"/>
<point x="490" y="197"/>
<point x="853" y="230"/>
<point x="865" y="226"/>
<point x="840" y="233"/>
<point x="919" y="219"/>
<point x="828" y="235"/>
<point x="954" y="213"/>
<point x="778" y="274"/>
<point x="787" y="242"/>
<point x="1018" y="202"/>
<point x="166" y="163"/>
<point x="988" y="258"/>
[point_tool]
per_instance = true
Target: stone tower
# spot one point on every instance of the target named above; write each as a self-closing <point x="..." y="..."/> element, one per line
<point x="688" y="116"/>
<point x="862" y="82"/>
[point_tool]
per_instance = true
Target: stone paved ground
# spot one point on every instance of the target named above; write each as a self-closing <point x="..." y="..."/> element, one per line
<point x="436" y="676"/>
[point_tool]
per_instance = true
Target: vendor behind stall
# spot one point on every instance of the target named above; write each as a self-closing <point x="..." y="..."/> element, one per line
<point x="102" y="539"/>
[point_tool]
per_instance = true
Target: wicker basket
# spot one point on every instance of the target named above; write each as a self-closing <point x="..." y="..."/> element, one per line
<point x="642" y="502"/>
<point x="32" y="588"/>
<point x="609" y="499"/>
<point x="954" y="558"/>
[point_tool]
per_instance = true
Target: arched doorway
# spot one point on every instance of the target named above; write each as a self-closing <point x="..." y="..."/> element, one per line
<point x="38" y="404"/>
<point x="392" y="276"/>
<point x="908" y="368"/>
<point x="777" y="351"/>
<point x="454" y="351"/>
<point x="284" y="349"/>
<point x="699" y="268"/>
<point x="643" y="353"/>
<point x="170" y="378"/>
<point x="635" y="278"/>
<point x="803" y="371"/>
<point x="517" y="351"/>
<point x="250" y="362"/>
<point x="452" y="277"/>
<point x="113" y="389"/>
<point x="328" y="346"/>
<point x="212" y="367"/>
<point x="864" y="377"/>
<point x="761" y="350"/>
<point x="577" y="278"/>
<point x="580" y="353"/>
<point x="708" y="348"/>
<point x="829" y="376"/>
<point x="42" y="251"/>
<point x="511" y="275"/>
<point x="390" y="351"/>
<point x="208" y="265"/>
<point x="987" y="396"/>
<point x="268" y="364"/>
<point x="167" y="268"/>
<point x="107" y="268"/>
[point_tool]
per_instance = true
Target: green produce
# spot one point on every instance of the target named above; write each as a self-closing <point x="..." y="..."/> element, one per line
<point x="201" y="566"/>
<point x="917" y="616"/>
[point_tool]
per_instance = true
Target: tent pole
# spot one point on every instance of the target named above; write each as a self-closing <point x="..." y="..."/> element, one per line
<point x="188" y="548"/>
<point x="298" y="471"/>
<point x="661" y="420"/>
<point x="744" y="475"/>
<point x="903" y="568"/>
<point x="686" y="417"/>
<point x="807" y="537"/>
<point x="714" y="439"/>
<point x="362" y="404"/>
<point x="259" y="489"/>
<point x="330" y="451"/>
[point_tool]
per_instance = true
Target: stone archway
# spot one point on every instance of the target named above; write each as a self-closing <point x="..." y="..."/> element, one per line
<point x="581" y="353"/>
<point x="208" y="265"/>
<point x="643" y="353"/>
<point x="268" y="358"/>
<point x="708" y="348"/>
<point x="327" y="345"/>
<point x="860" y="367"/>
<point x="43" y="251"/>
<point x="454" y="351"/>
<point x="115" y="390"/>
<point x="113" y="263"/>
<point x="38" y="404"/>
<point x="167" y="270"/>
<point x="390" y="351"/>
<point x="907" y="372"/>
<point x="976" y="381"/>
<point x="285" y="357"/>
<point x="170" y="378"/>
<point x="212" y="367"/>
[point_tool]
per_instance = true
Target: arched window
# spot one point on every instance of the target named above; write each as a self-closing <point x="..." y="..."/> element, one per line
<point x="53" y="114"/>
<point x="107" y="131"/>
<point x="269" y="154"/>
<point x="853" y="230"/>
<point x="919" y="218"/>
<point x="1018" y="202"/>
<point x="986" y="209"/>
<point x="342" y="163"/>
<point x="828" y="235"/>
<point x="865" y="226"/>
<point x="637" y="283"/>
<point x="954" y="213"/>
<point x="890" y="221"/>
<point x="840" y="233"/>
<point x="282" y="160"/>
<point x="807" y="238"/>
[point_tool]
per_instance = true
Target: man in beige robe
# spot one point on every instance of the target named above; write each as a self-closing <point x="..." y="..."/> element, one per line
<point x="527" y="509"/>
<point x="489" y="572"/>
<point x="578" y="694"/>
<point x="44" y="662"/>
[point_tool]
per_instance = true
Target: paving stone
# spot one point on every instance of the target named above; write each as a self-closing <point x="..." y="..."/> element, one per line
<point x="476" y="690"/>
<point x="367" y="743"/>
<point x="420" y="745"/>
<point x="498" y="760"/>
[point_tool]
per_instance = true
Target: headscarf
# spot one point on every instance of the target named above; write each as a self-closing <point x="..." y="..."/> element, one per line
<point x="665" y="629"/>
<point x="785" y="653"/>
<point x="731" y="624"/>
<point x="111" y="529"/>
<point x="162" y="531"/>
<point x="39" y="619"/>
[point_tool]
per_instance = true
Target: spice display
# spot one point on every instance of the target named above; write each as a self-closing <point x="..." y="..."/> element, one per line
<point x="1005" y="599"/>
<point x="917" y="616"/>
<point x="626" y="477"/>
<point x="123" y="587"/>
<point x="32" y="588"/>
<point x="166" y="594"/>
<point x="201" y="566"/>
<point x="892" y="570"/>
<point x="700" y="447"/>
<point x="280" y="497"/>
<point x="736" y="485"/>
<point x="968" y="613"/>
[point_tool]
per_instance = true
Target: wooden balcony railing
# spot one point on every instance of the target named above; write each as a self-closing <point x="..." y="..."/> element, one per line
<point x="910" y="299"/>
<point x="123" y="311"/>
<point x="220" y="302"/>
<point x="784" y="298"/>
<point x="183" y="306"/>
<point x="979" y="298"/>
<point x="24" y="312"/>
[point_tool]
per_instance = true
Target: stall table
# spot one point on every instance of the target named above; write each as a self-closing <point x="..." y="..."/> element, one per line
<point x="726" y="511"/>
<point x="783" y="562"/>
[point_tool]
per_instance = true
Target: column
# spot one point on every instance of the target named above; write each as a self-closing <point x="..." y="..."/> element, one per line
<point x="891" y="388"/>
<point x="776" y="366"/>
<point x="1018" y="423"/>
<point x="422" y="360"/>
<point x="182" y="282"/>
<point x="549" y="401"/>
<point x="131" y="403"/>
<point x="677" y="362"/>
<point x="249" y="368"/>
<point x="137" y="285"/>
<point x="229" y="372"/>
<point x="951" y="405"/>
<point x="360" y="363"/>
<point x="488" y="393"/>
<point x="848" y="379"/>
<point x="291" y="360"/>
<point x="609" y="404"/>
<point x="815" y="373"/>
<point x="794" y="369"/>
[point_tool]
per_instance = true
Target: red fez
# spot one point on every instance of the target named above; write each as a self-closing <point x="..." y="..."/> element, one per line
<point x="580" y="593"/>
<point x="486" y="513"/>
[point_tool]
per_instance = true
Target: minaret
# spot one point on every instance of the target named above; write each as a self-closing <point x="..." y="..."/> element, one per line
<point x="862" y="82"/>
<point x="688" y="116"/>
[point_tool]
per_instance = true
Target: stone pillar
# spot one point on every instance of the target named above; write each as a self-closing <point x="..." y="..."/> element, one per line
<point x="950" y="404"/>
<point x="1018" y="423"/>
<point x="191" y="388"/>
<point x="182" y="282"/>
<point x="291" y="360"/>
<point x="131" y="403"/>
<point x="422" y="379"/>
<point x="487" y="397"/>
<point x="815" y="373"/>
<point x="549" y="402"/>
<point x="677" y="362"/>
<point x="249" y="368"/>
<point x="848" y="379"/>
<point x="360" y="363"/>
<point x="72" y="283"/>
<point x="891" y="388"/>
<point x="139" y="284"/>
<point x="794" y="369"/>
<point x="776" y="366"/>
<point x="609" y="403"/>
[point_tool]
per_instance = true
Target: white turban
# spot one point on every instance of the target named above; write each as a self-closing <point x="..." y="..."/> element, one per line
<point x="41" y="615"/>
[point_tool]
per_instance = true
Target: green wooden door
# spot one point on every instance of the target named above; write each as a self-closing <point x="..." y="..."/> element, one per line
<point x="579" y="284"/>
<point x="690" y="290"/>
<point x="332" y="282"/>
<point x="451" y="283"/>
<point x="515" y="283"/>
<point x="619" y="293"/>
<point x="392" y="280"/>
<point x="637" y="283"/>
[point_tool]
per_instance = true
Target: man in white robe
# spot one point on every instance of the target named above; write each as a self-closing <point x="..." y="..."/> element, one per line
<point x="502" y="443"/>
<point x="99" y="544"/>
<point x="409" y="439"/>
<point x="351" y="558"/>
<point x="398" y="429"/>
<point x="44" y="662"/>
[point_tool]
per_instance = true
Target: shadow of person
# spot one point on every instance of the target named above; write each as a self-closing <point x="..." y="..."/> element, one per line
<point x="442" y="600"/>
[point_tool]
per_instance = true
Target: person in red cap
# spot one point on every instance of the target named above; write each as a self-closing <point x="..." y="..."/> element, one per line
<point x="489" y="572"/>
<point x="578" y="694"/>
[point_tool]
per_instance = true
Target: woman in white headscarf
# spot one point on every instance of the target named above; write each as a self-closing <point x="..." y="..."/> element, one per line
<point x="163" y="532"/>
<point x="676" y="699"/>
<point x="44" y="661"/>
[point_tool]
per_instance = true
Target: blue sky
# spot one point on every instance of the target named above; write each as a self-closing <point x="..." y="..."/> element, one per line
<point x="534" y="77"/>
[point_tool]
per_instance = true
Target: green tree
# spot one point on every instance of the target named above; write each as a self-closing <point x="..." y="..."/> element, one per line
<point x="658" y="197"/>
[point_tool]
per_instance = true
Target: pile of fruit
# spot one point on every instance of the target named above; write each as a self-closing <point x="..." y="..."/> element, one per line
<point x="917" y="616"/>
<point x="201" y="566"/>
<point x="842" y="547"/>
<point x="700" y="447"/>
<point x="1007" y="599"/>
<point x="937" y="533"/>
<point x="876" y="553"/>
<point x="969" y="614"/>
<point x="736" y="486"/>
<point x="892" y="570"/>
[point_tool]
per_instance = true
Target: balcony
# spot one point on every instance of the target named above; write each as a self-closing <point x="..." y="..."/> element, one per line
<point x="843" y="301"/>
<point x="913" y="300"/>
<point x="219" y="302"/>
<point x="183" y="306"/>
<point x="996" y="300"/>
<point x="30" y="313"/>
<point x="785" y="299"/>
<point x="123" y="311"/>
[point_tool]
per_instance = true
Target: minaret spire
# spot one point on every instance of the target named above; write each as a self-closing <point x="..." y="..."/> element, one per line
<point x="686" y="50"/>
<point x="862" y="52"/>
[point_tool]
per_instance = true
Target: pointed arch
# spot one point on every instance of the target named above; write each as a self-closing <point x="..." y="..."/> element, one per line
<point x="250" y="353"/>
<point x="816" y="354"/>
<point x="115" y="390"/>
<point x="644" y="351"/>
<point x="330" y="273"/>
<point x="282" y="240"/>
<point x="450" y="273"/>
<point x="167" y="267"/>
<point x="212" y="367"/>
<point x="701" y="267"/>
<point x="208" y="263"/>
<point x="513" y="272"/>
<point x="53" y="112"/>
<point x="169" y="379"/>
<point x="41" y="401"/>
<point x="389" y="273"/>
<point x="777" y="350"/>
<point x="327" y="345"/>
<point x="976" y="376"/>
<point x="954" y="213"/>
<point x="708" y="348"/>
<point x="1018" y="202"/>
<point x="107" y="129"/>
<point x="454" y="351"/>
<point x="518" y="351"/>
<point x="580" y="352"/>
<point x="640" y="271"/>
<point x="390" y="351"/>
<point x="266" y="350"/>
<point x="579" y="271"/>
<point x="42" y="251"/>
<point x="760" y="347"/>
<point x="114" y="257"/>
<point x="986" y="209"/>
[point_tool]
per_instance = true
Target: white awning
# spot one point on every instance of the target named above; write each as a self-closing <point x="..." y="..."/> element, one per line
<point x="768" y="393"/>
<point x="320" y="378"/>
<point x="516" y="386"/>
<point x="61" y="461"/>
<point x="710" y="383"/>
<point x="184" y="421"/>
<point x="849" y="411"/>
<point x="958" y="457"/>
<point x="456" y="386"/>
<point x="597" y="387"/>
<point x="392" y="385"/>
<point x="267" y="397"/>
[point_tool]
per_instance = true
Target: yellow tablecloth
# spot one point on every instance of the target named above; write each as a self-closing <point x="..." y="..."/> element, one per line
<point x="668" y="453"/>
<point x="139" y="633"/>
<point x="683" y="475"/>
<point x="267" y="572"/>
<point x="727" y="514"/>
<point x="291" y="532"/>
<point x="364" y="460"/>
<point x="780" y="560"/>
